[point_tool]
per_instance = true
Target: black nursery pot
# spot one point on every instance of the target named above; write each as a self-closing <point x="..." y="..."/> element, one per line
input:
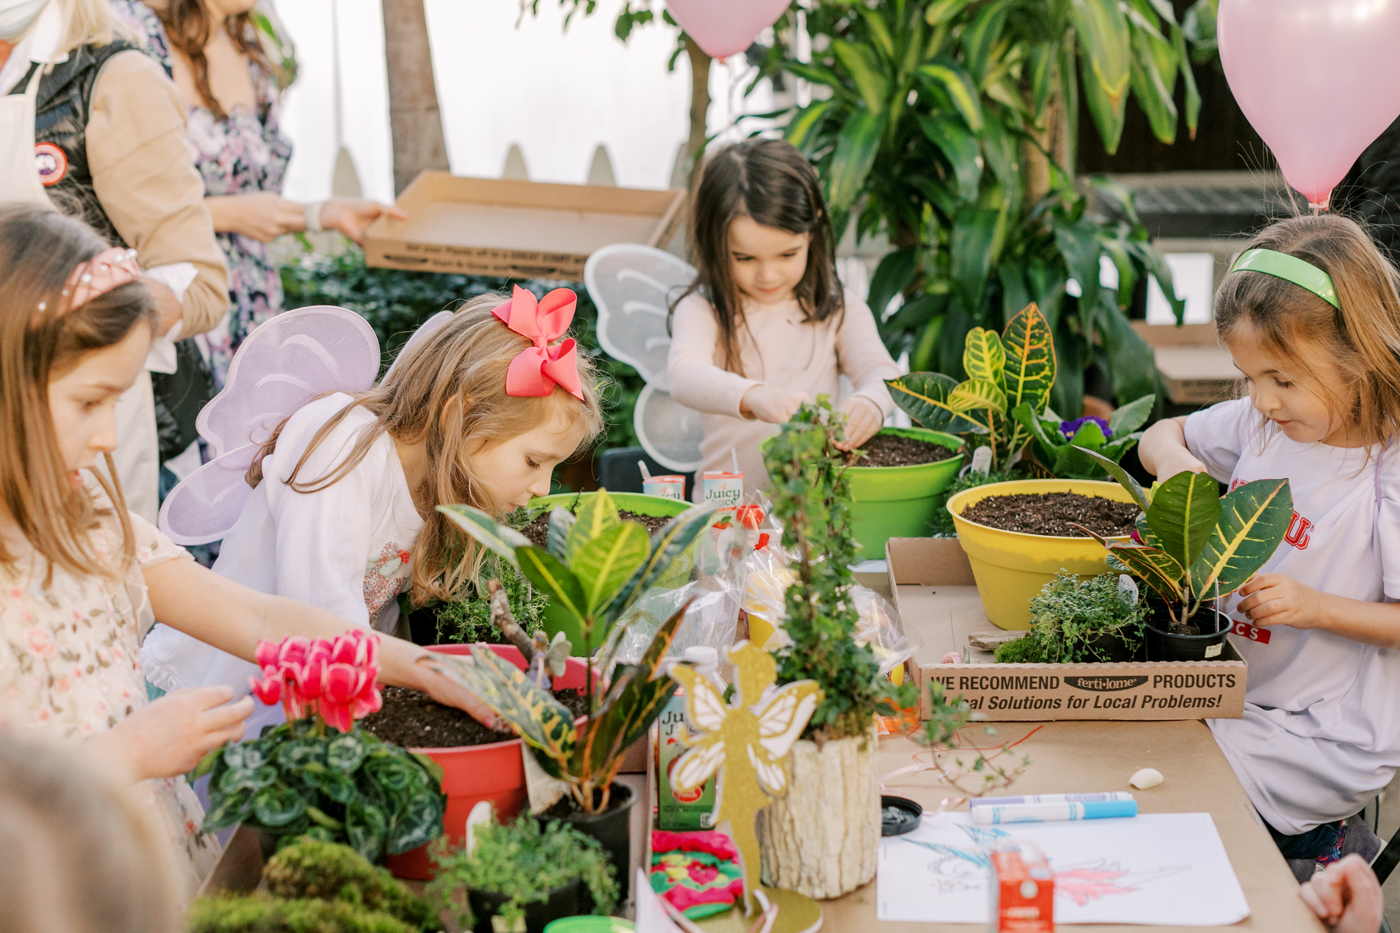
<point x="1162" y="645"/>
<point x="611" y="829"/>
<point x="1112" y="648"/>
<point x="563" y="902"/>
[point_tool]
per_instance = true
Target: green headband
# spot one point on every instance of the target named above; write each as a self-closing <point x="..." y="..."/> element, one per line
<point x="1290" y="268"/>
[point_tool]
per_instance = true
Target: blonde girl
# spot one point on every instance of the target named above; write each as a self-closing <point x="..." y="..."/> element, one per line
<point x="344" y="516"/>
<point x="1311" y="317"/>
<point x="766" y="325"/>
<point x="81" y="577"/>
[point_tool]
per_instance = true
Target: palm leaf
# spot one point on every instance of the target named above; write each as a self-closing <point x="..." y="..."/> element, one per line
<point x="1253" y="521"/>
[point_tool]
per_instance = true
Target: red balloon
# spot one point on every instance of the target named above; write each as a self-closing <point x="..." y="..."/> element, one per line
<point x="725" y="27"/>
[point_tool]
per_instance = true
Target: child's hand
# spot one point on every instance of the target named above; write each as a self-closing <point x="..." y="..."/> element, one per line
<point x="864" y="418"/>
<point x="776" y="406"/>
<point x="1274" y="599"/>
<point x="170" y="735"/>
<point x="1346" y="896"/>
<point x="1169" y="463"/>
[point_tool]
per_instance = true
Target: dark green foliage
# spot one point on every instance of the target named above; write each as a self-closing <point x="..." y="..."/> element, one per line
<point x="1069" y="613"/>
<point x="942" y="521"/>
<point x="523" y="861"/>
<point x="812" y="499"/>
<point x="468" y="621"/>
<point x="302" y="779"/>
<point x="1021" y="651"/>
<point x="257" y="913"/>
<point x="310" y="868"/>
<point x="395" y="302"/>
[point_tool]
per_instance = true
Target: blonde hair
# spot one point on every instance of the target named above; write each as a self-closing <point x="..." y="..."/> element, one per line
<point x="78" y="852"/>
<point x="39" y="249"/>
<point x="1362" y="338"/>
<point x="449" y="393"/>
<point x="91" y="22"/>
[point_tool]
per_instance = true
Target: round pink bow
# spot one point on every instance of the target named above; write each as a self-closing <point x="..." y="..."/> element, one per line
<point x="538" y="369"/>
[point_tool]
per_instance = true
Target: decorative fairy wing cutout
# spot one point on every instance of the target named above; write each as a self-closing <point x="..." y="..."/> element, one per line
<point x="784" y="715"/>
<point x="704" y="705"/>
<point x="633" y="287"/>
<point x="283" y="364"/>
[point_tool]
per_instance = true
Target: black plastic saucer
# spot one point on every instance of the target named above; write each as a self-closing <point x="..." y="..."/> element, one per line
<point x="898" y="815"/>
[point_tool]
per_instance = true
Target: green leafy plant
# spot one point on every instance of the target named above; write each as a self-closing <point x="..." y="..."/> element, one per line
<point x="1071" y="618"/>
<point x="985" y="773"/>
<point x="596" y="566"/>
<point x="468" y="621"/>
<point x="1006" y="373"/>
<point x="942" y="521"/>
<point x="1195" y="545"/>
<point x="811" y="498"/>
<point x="1058" y="443"/>
<point x="521" y="861"/>
<point x="258" y="913"/>
<point x="311" y="868"/>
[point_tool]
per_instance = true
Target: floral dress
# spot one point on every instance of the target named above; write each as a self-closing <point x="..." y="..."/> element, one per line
<point x="70" y="667"/>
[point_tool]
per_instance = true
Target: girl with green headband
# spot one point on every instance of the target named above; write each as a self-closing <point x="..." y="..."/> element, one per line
<point x="1311" y="316"/>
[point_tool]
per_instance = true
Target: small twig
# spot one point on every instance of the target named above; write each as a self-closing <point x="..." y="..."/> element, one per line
<point x="501" y="618"/>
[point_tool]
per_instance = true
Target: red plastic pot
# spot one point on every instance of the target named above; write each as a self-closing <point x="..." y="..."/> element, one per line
<point x="471" y="774"/>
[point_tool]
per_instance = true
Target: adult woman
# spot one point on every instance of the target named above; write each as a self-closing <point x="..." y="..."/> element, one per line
<point x="231" y="86"/>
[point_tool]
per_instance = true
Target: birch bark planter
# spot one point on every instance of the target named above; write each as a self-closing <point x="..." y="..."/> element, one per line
<point x="822" y="839"/>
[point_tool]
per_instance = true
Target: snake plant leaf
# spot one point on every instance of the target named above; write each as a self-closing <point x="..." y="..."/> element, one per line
<point x="487" y="532"/>
<point x="561" y="522"/>
<point x="924" y="397"/>
<point x="550" y="576"/>
<point x="960" y="147"/>
<point x="1120" y="474"/>
<point x="667" y="545"/>
<point x="983" y="355"/>
<point x="596" y="514"/>
<point x="1128" y="418"/>
<point x="948" y="75"/>
<point x="807" y="120"/>
<point x="856" y="146"/>
<point x="1106" y="60"/>
<point x="1253" y="521"/>
<point x="975" y="394"/>
<point x="1183" y="515"/>
<point x="1153" y="566"/>
<point x="608" y="561"/>
<point x="1030" y="359"/>
<point x="867" y="72"/>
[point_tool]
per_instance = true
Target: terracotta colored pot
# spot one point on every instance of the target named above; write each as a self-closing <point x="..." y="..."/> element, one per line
<point x="475" y="773"/>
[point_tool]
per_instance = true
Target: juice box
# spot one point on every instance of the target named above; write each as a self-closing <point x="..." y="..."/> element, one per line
<point x="690" y="811"/>
<point x="1022" y="890"/>
<point x="667" y="487"/>
<point x="723" y="488"/>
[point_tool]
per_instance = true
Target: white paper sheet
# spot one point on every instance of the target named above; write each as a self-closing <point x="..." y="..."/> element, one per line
<point x="1164" y="869"/>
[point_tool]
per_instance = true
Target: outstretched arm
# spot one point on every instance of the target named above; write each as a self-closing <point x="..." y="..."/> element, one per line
<point x="1163" y="450"/>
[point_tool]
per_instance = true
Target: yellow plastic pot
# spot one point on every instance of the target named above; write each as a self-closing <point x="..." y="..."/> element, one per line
<point x="1011" y="567"/>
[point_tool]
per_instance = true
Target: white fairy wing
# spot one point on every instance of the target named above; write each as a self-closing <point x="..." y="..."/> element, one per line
<point x="668" y="431"/>
<point x="206" y="504"/>
<point x="695" y="766"/>
<point x="633" y="287"/>
<point x="772" y="775"/>
<point x="784" y="715"/>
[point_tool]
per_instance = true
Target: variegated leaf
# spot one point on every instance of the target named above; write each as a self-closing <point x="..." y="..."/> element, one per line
<point x="609" y="560"/>
<point x="502" y="539"/>
<point x="1183" y="514"/>
<point x="550" y="576"/>
<point x="1253" y="521"/>
<point x="667" y="545"/>
<point x="561" y="522"/>
<point x="1155" y="567"/>
<point x="1030" y="359"/>
<point x="595" y="515"/>
<point x="983" y="355"/>
<point x="976" y="394"/>
<point x="924" y="397"/>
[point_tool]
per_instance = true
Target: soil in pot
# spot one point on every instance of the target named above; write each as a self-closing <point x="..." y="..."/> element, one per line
<point x="1054" y="513"/>
<point x="892" y="450"/>
<point x="610" y="828"/>
<point x="415" y="720"/>
<point x="538" y="530"/>
<point x="564" y="901"/>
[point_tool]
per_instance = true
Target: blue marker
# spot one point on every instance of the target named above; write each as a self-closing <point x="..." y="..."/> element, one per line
<point x="1049" y="798"/>
<point x="1054" y="812"/>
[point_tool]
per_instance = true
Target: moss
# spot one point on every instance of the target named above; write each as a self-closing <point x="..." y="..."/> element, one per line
<point x="258" y="913"/>
<point x="314" y="869"/>
<point x="1021" y="651"/>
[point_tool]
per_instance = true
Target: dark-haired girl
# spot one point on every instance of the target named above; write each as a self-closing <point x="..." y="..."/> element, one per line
<point x="766" y="326"/>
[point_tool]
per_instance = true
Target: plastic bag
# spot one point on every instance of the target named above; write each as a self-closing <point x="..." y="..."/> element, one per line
<point x="880" y="628"/>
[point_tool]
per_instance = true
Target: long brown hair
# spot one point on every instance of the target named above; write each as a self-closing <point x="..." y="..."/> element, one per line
<point x="1362" y="338"/>
<point x="189" y="28"/>
<point x="38" y="342"/>
<point x="449" y="393"/>
<point x="771" y="182"/>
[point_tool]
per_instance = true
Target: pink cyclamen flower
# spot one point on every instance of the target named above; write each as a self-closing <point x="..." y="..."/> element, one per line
<point x="332" y="677"/>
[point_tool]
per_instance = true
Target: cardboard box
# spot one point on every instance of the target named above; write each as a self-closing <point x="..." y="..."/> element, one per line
<point x="1195" y="369"/>
<point x="487" y="226"/>
<point x="933" y="589"/>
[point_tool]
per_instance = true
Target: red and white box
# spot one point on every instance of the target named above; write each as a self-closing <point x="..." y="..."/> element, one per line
<point x="671" y="486"/>
<point x="1022" y="890"/>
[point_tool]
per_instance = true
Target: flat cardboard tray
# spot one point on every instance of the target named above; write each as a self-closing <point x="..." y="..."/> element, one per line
<point x="527" y="229"/>
<point x="1195" y="369"/>
<point x="932" y="586"/>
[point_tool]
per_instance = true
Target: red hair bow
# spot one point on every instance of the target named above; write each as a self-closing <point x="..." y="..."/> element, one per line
<point x="539" y="368"/>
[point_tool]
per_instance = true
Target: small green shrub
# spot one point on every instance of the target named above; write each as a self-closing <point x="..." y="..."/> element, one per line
<point x="468" y="621"/>
<point x="327" y="871"/>
<point x="1025" y="650"/>
<point x="258" y="913"/>
<point x="942" y="521"/>
<point x="524" y="862"/>
<point x="1068" y="614"/>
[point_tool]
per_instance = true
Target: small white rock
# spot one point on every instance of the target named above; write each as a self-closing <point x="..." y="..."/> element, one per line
<point x="1145" y="778"/>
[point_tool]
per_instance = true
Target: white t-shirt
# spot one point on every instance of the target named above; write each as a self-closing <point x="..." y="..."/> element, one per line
<point x="1321" y="729"/>
<point x="345" y="548"/>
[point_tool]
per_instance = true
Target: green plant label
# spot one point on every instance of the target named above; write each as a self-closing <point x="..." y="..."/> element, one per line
<point x="684" y="811"/>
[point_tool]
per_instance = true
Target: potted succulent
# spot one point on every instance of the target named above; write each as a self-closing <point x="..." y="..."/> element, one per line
<point x="822" y="838"/>
<point x="1193" y="547"/>
<point x="596" y="566"/>
<point x="1081" y="621"/>
<point x="318" y="774"/>
<point x="517" y="877"/>
<point x="1058" y="442"/>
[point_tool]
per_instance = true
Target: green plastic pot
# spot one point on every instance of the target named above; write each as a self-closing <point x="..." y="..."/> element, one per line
<point x="559" y="620"/>
<point x="590" y="925"/>
<point x="899" y="502"/>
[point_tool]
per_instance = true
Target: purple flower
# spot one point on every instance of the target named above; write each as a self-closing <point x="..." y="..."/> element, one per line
<point x="1068" y="428"/>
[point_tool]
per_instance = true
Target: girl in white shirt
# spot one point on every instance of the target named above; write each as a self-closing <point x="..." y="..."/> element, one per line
<point x="344" y="516"/>
<point x="1310" y="314"/>
<point x="766" y="326"/>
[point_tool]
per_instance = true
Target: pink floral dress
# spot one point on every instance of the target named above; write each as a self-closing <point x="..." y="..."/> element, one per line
<point x="70" y="667"/>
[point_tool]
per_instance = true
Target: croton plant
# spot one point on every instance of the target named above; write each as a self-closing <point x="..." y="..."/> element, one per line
<point x="318" y="774"/>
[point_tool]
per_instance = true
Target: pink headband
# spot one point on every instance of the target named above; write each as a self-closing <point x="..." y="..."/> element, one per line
<point x="539" y="368"/>
<point x="109" y="269"/>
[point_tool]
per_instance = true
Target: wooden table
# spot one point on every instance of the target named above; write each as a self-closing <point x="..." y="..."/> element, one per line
<point x="1100" y="756"/>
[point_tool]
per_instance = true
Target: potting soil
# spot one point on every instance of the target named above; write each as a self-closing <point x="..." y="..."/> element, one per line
<point x="1054" y="513"/>
<point x="890" y="450"/>
<point x="538" y="530"/>
<point x="413" y="719"/>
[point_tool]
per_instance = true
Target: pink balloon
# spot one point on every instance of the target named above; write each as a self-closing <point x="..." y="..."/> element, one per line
<point x="725" y="27"/>
<point x="1318" y="79"/>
